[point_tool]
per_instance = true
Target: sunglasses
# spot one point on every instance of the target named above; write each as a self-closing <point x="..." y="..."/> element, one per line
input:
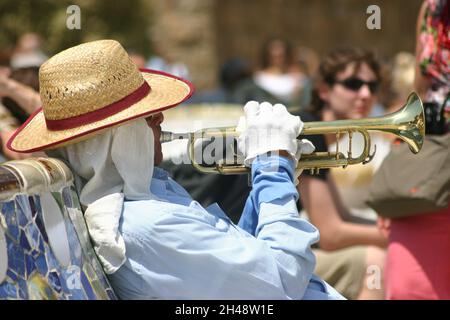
<point x="355" y="84"/>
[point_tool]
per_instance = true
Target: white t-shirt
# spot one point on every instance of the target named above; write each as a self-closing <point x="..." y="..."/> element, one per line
<point x="282" y="86"/>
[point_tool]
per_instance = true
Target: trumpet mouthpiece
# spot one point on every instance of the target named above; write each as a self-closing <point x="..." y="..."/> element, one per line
<point x="167" y="136"/>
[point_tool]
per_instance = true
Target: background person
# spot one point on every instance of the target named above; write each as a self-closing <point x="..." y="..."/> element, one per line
<point x="19" y="86"/>
<point x="345" y="89"/>
<point x="278" y="73"/>
<point x="19" y="99"/>
<point x="418" y="259"/>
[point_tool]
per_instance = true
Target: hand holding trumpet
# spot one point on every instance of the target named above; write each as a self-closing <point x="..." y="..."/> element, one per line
<point x="266" y="128"/>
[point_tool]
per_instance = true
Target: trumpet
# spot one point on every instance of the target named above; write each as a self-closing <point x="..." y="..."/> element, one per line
<point x="408" y="124"/>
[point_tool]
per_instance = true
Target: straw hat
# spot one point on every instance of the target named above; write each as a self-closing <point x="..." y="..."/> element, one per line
<point x="92" y="87"/>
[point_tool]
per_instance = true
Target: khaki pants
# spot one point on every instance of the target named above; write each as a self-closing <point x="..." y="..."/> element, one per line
<point x="343" y="269"/>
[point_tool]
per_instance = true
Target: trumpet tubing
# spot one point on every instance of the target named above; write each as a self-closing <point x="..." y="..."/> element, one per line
<point x="408" y="124"/>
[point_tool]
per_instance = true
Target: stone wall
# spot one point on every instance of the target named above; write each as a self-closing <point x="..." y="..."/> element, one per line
<point x="204" y="33"/>
<point x="319" y="24"/>
<point x="183" y="31"/>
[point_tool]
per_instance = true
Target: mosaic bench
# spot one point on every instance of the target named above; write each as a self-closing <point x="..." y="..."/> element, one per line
<point x="45" y="250"/>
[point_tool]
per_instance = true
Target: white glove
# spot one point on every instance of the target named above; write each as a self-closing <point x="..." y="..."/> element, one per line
<point x="270" y="128"/>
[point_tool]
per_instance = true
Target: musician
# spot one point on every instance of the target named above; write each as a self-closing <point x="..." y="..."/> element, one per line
<point x="103" y="117"/>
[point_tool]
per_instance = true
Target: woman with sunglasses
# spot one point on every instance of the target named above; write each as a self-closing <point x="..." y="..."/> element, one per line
<point x="349" y="246"/>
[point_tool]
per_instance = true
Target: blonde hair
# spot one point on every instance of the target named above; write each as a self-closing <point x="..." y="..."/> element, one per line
<point x="403" y="74"/>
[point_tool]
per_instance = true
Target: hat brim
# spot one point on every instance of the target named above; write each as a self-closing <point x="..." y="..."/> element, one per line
<point x="166" y="92"/>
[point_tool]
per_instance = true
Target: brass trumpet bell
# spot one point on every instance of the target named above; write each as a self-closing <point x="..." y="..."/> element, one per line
<point x="408" y="124"/>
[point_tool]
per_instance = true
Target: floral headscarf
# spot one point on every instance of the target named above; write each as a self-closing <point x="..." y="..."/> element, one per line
<point x="434" y="36"/>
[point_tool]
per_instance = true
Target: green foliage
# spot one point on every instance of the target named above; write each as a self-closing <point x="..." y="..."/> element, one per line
<point x="125" y="21"/>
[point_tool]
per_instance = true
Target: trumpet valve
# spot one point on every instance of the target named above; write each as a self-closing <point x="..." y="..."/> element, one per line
<point x="314" y="171"/>
<point x="349" y="151"/>
<point x="370" y="156"/>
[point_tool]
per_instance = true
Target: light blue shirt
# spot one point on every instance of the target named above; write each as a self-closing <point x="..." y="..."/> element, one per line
<point x="176" y="249"/>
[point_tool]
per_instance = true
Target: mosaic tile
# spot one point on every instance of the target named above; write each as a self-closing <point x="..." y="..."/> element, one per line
<point x="35" y="253"/>
<point x="9" y="290"/>
<point x="41" y="245"/>
<point x="33" y="270"/>
<point x="39" y="288"/>
<point x="67" y="197"/>
<point x="24" y="241"/>
<point x="22" y="289"/>
<point x="8" y="206"/>
<point x="41" y="264"/>
<point x="37" y="204"/>
<point x="33" y="236"/>
<point x="11" y="221"/>
<point x="79" y="225"/>
<point x="22" y="218"/>
<point x="12" y="275"/>
<point x="23" y="201"/>
<point x="40" y="224"/>
<point x="16" y="259"/>
<point x="74" y="244"/>
<point x="75" y="200"/>
<point x="87" y="287"/>
<point x="29" y="264"/>
<point x="52" y="261"/>
<point x="32" y="206"/>
<point x="54" y="281"/>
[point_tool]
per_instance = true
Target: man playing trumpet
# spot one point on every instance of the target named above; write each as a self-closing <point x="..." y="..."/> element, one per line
<point x="102" y="116"/>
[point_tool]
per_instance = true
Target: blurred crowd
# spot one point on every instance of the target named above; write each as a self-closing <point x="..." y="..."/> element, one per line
<point x="361" y="254"/>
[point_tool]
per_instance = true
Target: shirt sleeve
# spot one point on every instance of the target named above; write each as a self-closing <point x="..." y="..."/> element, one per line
<point x="194" y="255"/>
<point x="272" y="180"/>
